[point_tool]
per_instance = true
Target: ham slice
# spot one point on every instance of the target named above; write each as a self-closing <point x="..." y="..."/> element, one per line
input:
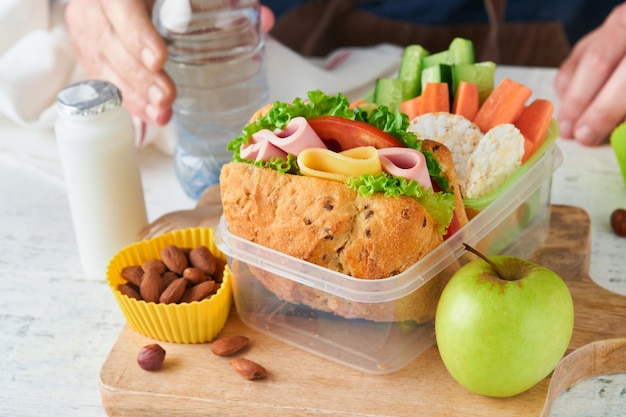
<point x="297" y="136"/>
<point x="261" y="151"/>
<point x="406" y="163"/>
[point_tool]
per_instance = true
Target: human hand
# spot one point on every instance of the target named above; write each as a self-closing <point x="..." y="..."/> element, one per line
<point x="115" y="40"/>
<point x="592" y="81"/>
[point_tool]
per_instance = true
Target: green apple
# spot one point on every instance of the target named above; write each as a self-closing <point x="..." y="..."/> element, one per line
<point x="503" y="327"/>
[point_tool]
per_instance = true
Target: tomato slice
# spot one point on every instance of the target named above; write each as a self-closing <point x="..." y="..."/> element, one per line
<point x="339" y="134"/>
<point x="453" y="227"/>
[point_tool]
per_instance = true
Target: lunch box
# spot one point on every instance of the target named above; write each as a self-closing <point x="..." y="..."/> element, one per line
<point x="354" y="321"/>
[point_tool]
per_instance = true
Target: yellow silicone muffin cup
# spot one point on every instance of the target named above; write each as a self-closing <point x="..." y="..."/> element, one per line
<point x="195" y="322"/>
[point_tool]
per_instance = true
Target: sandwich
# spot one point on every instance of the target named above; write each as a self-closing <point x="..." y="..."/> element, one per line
<point x="345" y="188"/>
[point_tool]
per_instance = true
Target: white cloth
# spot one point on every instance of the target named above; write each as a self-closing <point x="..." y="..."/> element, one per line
<point x="37" y="61"/>
<point x="351" y="71"/>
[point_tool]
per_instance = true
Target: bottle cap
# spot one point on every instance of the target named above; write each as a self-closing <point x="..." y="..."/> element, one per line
<point x="88" y="98"/>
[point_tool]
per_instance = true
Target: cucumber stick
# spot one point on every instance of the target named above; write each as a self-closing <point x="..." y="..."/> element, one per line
<point x="482" y="74"/>
<point x="419" y="66"/>
<point x="411" y="70"/>
<point x="440" y="73"/>
<point x="442" y="57"/>
<point x="388" y="92"/>
<point x="461" y="51"/>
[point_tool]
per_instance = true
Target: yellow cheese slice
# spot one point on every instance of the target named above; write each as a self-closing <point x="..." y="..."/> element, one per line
<point x="326" y="164"/>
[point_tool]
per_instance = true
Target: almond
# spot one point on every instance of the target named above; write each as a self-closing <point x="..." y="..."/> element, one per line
<point x="194" y="275"/>
<point x="154" y="265"/>
<point x="198" y="292"/>
<point x="248" y="369"/>
<point x="151" y="286"/>
<point x="229" y="345"/>
<point x="133" y="274"/>
<point x="130" y="291"/>
<point x="202" y="258"/>
<point x="174" y="258"/>
<point x="168" y="277"/>
<point x="174" y="291"/>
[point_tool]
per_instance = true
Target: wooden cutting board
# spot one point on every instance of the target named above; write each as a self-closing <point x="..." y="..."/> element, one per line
<point x="194" y="382"/>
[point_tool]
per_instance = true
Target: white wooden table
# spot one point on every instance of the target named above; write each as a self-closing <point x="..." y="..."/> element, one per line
<point x="56" y="327"/>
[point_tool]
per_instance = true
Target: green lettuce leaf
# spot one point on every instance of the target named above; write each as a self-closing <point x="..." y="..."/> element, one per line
<point x="439" y="205"/>
<point x="284" y="166"/>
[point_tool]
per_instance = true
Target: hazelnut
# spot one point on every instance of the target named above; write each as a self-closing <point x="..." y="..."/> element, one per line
<point x="618" y="222"/>
<point x="151" y="357"/>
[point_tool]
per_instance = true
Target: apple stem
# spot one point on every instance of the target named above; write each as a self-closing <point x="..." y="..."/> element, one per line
<point x="484" y="258"/>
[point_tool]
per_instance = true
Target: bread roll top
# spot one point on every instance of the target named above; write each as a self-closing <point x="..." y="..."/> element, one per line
<point x="325" y="222"/>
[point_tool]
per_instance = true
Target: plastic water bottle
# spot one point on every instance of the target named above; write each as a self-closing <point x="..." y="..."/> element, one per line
<point x="216" y="59"/>
<point x="96" y="143"/>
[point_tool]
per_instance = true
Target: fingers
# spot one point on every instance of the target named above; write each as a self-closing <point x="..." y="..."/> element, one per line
<point x="606" y="111"/>
<point x="84" y="19"/>
<point x="568" y="68"/>
<point x="267" y="19"/>
<point x="590" y="80"/>
<point x="132" y="20"/>
<point x="115" y="40"/>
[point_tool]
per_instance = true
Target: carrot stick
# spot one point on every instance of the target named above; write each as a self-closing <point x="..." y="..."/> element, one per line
<point x="466" y="101"/>
<point x="504" y="105"/>
<point x="435" y="98"/>
<point x="411" y="107"/>
<point x="529" y="149"/>
<point x="534" y="121"/>
<point x="356" y="103"/>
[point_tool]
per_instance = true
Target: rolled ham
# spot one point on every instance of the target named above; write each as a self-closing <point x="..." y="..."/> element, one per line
<point x="406" y="163"/>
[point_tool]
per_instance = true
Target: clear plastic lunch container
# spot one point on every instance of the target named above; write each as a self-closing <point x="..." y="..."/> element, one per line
<point x="359" y="323"/>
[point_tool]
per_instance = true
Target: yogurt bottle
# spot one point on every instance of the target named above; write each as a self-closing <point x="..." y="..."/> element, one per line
<point x="95" y="139"/>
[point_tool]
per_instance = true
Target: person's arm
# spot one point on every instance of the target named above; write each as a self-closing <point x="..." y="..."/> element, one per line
<point x="591" y="83"/>
<point x="115" y="40"/>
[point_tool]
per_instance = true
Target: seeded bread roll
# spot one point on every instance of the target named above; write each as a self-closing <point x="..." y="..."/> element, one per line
<point x="325" y="222"/>
<point x="329" y="224"/>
